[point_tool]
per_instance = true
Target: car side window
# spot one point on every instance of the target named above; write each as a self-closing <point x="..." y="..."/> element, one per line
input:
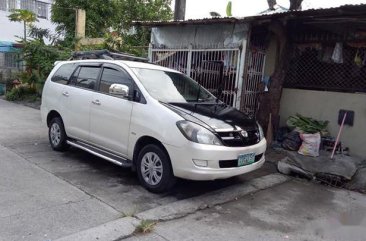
<point x="86" y="77"/>
<point x="63" y="74"/>
<point x="113" y="76"/>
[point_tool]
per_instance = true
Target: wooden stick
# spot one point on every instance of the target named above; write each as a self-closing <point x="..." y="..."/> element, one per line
<point x="339" y="135"/>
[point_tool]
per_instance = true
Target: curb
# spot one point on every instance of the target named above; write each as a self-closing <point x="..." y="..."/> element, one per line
<point x="184" y="207"/>
<point x="115" y="230"/>
<point x="125" y="227"/>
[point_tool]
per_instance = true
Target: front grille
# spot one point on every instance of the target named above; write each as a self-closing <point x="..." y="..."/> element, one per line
<point x="234" y="163"/>
<point x="235" y="139"/>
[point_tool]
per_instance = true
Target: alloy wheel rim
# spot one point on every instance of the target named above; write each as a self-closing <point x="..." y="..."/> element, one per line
<point x="55" y="134"/>
<point x="151" y="168"/>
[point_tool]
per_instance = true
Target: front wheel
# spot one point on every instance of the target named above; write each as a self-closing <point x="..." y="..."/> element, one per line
<point x="57" y="135"/>
<point x="154" y="169"/>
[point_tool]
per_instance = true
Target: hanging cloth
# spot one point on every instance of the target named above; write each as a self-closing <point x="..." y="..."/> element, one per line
<point x="358" y="60"/>
<point x="337" y="55"/>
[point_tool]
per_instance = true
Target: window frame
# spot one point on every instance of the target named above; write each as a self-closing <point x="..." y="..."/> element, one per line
<point x="72" y="73"/>
<point x="11" y="60"/>
<point x="72" y="81"/>
<point x="120" y="69"/>
<point x="37" y="4"/>
<point x="134" y="87"/>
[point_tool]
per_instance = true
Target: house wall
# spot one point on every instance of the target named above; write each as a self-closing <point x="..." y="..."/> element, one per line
<point x="10" y="30"/>
<point x="325" y="105"/>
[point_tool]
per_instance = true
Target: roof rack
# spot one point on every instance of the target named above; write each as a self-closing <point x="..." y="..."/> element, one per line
<point x="105" y="54"/>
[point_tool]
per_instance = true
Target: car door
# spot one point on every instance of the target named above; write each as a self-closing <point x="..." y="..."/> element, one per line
<point x="77" y="99"/>
<point x="110" y="115"/>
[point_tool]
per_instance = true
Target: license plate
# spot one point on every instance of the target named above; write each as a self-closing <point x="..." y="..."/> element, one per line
<point x="246" y="159"/>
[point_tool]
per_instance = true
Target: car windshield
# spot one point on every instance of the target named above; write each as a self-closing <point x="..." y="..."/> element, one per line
<point x="171" y="87"/>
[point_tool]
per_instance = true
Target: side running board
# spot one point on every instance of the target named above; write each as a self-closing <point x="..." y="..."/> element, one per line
<point x="118" y="160"/>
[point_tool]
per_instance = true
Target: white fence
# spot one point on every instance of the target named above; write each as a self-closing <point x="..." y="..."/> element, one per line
<point x="213" y="68"/>
<point x="218" y="68"/>
<point x="254" y="74"/>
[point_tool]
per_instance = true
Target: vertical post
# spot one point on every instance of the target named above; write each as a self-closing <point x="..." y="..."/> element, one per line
<point x="79" y="26"/>
<point x="240" y="74"/>
<point x="149" y="54"/>
<point x="189" y="60"/>
<point x="179" y="10"/>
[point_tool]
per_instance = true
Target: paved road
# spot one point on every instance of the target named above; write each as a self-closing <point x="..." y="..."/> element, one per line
<point x="295" y="210"/>
<point x="45" y="194"/>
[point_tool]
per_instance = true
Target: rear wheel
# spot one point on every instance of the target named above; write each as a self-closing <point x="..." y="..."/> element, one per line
<point x="57" y="135"/>
<point x="154" y="169"/>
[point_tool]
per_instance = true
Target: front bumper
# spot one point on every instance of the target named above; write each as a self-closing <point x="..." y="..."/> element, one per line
<point x="184" y="167"/>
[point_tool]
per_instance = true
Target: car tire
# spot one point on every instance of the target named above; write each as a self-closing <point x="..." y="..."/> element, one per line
<point x="57" y="135"/>
<point x="154" y="169"/>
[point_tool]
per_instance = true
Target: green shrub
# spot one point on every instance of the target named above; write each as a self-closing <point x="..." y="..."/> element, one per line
<point x="20" y="93"/>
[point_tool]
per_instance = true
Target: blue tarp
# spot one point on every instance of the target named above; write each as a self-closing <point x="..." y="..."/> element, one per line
<point x="7" y="46"/>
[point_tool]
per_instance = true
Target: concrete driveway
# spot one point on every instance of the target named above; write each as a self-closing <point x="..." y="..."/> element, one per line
<point x="295" y="210"/>
<point x="46" y="195"/>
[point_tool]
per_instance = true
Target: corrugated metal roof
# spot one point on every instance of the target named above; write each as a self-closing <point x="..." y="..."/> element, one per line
<point x="263" y="16"/>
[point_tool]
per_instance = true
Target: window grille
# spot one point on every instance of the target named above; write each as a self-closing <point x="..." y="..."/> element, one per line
<point x="311" y="67"/>
<point x="3" y="6"/>
<point x="7" y="5"/>
<point x="28" y="4"/>
<point x="11" y="60"/>
<point x="41" y="9"/>
<point x="12" y="4"/>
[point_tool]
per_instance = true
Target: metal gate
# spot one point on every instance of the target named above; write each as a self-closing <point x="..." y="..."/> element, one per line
<point x="254" y="74"/>
<point x="213" y="68"/>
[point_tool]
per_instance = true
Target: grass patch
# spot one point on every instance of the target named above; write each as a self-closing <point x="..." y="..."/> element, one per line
<point x="145" y="226"/>
<point x="130" y="213"/>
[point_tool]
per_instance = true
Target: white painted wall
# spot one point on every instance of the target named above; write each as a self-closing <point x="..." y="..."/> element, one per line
<point x="8" y="30"/>
<point x="323" y="105"/>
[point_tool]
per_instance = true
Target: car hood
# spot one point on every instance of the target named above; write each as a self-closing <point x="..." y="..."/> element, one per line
<point x="214" y="116"/>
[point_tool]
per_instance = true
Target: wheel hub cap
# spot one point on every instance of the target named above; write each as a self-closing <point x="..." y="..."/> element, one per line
<point x="55" y="134"/>
<point x="151" y="168"/>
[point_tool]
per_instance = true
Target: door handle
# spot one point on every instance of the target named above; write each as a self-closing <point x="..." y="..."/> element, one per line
<point x="96" y="102"/>
<point x="65" y="93"/>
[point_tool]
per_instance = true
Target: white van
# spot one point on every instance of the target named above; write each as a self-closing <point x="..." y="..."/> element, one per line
<point x="153" y="119"/>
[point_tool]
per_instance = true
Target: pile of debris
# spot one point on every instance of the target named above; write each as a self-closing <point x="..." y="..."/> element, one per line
<point x="306" y="144"/>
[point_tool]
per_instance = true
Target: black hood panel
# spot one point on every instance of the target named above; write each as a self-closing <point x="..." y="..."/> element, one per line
<point x="214" y="115"/>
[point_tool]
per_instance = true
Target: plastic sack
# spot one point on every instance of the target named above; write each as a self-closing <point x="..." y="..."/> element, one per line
<point x="310" y="144"/>
<point x="292" y="141"/>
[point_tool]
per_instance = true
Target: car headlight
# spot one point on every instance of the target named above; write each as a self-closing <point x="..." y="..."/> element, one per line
<point x="261" y="133"/>
<point x="197" y="133"/>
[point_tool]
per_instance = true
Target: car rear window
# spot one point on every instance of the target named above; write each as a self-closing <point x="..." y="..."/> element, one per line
<point x="63" y="74"/>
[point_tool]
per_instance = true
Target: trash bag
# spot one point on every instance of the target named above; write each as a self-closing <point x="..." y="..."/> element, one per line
<point x="310" y="144"/>
<point x="292" y="141"/>
<point x="282" y="133"/>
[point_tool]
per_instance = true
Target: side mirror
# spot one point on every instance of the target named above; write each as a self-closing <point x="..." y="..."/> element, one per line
<point x="119" y="90"/>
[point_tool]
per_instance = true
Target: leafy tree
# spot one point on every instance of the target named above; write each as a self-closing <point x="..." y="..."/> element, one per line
<point x="112" y="19"/>
<point x="128" y="11"/>
<point x="98" y="16"/>
<point x="40" y="58"/>
<point x="25" y="16"/>
<point x="138" y="10"/>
